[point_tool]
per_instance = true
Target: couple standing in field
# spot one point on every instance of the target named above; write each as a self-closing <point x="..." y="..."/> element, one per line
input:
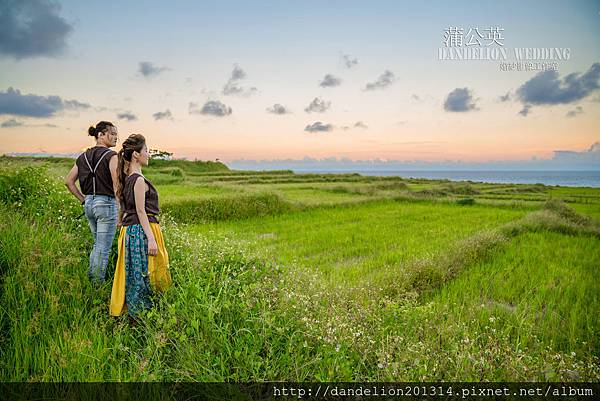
<point x="114" y="194"/>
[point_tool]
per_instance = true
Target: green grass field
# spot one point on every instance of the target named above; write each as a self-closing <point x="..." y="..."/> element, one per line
<point x="282" y="276"/>
<point x="355" y="242"/>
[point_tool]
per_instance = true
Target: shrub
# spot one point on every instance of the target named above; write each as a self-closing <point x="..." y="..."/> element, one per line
<point x="176" y="172"/>
<point x="465" y="201"/>
<point x="30" y="191"/>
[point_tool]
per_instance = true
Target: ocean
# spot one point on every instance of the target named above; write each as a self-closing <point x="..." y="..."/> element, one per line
<point x="561" y="178"/>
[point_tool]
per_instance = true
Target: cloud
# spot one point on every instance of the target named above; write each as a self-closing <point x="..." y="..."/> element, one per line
<point x="193" y="108"/>
<point x="318" y="105"/>
<point x="504" y="98"/>
<point x="32" y="28"/>
<point x="278" y="109"/>
<point x="358" y="124"/>
<point x="348" y="61"/>
<point x="127" y="116"/>
<point x="574" y="112"/>
<point x="384" y="80"/>
<point x="233" y="87"/>
<point x="212" y="108"/>
<point x="318" y="127"/>
<point x="14" y="103"/>
<point x="237" y="73"/>
<point x="12" y="123"/>
<point x="162" y="115"/>
<point x="75" y="104"/>
<point x="591" y="155"/>
<point x="546" y="88"/>
<point x="149" y="70"/>
<point x="460" y="100"/>
<point x="330" y="81"/>
<point x="525" y="110"/>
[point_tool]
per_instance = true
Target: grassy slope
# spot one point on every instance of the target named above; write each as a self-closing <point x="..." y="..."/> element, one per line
<point x="511" y="303"/>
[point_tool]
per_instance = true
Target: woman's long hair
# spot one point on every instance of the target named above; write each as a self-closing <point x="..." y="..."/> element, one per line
<point x="135" y="143"/>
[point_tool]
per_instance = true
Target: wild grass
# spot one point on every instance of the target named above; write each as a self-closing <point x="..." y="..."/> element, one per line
<point x="537" y="188"/>
<point x="490" y="307"/>
<point x="315" y="196"/>
<point x="406" y="287"/>
<point x="459" y="188"/>
<point x="214" y="324"/>
<point x="175" y="192"/>
<point x="368" y="189"/>
<point x="196" y="166"/>
<point x="233" y="207"/>
<point x="241" y="173"/>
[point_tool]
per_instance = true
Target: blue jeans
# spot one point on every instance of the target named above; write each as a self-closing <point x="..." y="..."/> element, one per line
<point x="101" y="211"/>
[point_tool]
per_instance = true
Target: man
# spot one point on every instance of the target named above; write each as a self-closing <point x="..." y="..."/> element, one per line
<point x="96" y="170"/>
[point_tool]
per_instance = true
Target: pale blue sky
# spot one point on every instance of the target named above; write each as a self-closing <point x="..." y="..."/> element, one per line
<point x="285" y="49"/>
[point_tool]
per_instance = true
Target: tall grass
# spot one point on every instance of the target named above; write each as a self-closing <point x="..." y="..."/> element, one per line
<point x="241" y="173"/>
<point x="196" y="166"/>
<point x="501" y="304"/>
<point x="514" y="302"/>
<point x="228" y="207"/>
<point x="368" y="189"/>
<point x="397" y="326"/>
<point x="216" y="323"/>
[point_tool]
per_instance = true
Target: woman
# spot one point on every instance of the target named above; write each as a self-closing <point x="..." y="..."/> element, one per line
<point x="96" y="170"/>
<point x="143" y="262"/>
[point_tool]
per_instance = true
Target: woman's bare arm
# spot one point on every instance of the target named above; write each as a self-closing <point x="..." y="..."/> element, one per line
<point x="139" y="191"/>
<point x="70" y="183"/>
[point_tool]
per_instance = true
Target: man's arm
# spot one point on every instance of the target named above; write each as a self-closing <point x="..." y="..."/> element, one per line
<point x="70" y="183"/>
<point x="112" y="165"/>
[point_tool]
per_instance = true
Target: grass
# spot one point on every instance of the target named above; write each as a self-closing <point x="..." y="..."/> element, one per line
<point x="55" y="325"/>
<point x="232" y="207"/>
<point x="592" y="210"/>
<point x="520" y="303"/>
<point x="330" y="278"/>
<point x="356" y="242"/>
<point x="525" y="286"/>
<point x="445" y="319"/>
<point x="173" y="193"/>
<point x="318" y="196"/>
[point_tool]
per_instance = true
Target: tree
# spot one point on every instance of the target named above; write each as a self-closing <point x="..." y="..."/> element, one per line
<point x="158" y="154"/>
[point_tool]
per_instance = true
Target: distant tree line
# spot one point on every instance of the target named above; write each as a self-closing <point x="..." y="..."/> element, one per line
<point x="158" y="154"/>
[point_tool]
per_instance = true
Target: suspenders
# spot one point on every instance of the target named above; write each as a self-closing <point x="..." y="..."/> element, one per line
<point x="93" y="171"/>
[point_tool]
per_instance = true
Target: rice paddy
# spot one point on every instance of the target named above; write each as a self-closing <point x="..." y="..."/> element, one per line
<point x="324" y="277"/>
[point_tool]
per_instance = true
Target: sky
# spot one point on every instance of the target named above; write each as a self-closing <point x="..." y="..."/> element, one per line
<point x="291" y="80"/>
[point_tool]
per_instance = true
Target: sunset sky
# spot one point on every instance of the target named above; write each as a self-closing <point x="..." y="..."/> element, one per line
<point x="286" y="79"/>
